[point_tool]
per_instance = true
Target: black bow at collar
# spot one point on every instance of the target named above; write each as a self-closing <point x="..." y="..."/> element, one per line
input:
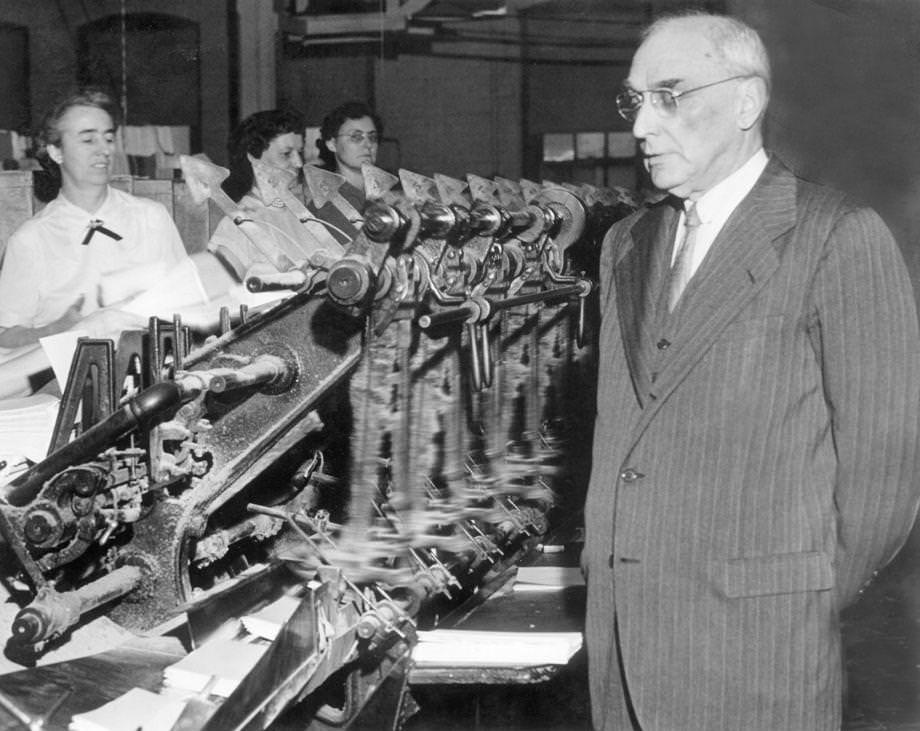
<point x="96" y="225"/>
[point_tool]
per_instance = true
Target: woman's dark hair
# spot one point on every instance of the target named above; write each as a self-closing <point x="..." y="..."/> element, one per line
<point x="333" y="122"/>
<point x="252" y="136"/>
<point x="48" y="181"/>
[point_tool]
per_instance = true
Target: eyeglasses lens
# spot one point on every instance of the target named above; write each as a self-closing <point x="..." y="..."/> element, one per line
<point x="628" y="103"/>
<point x="359" y="137"/>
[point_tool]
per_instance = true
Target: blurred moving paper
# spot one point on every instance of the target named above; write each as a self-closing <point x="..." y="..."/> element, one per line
<point x="26" y="425"/>
<point x="59" y="349"/>
<point x="165" y="295"/>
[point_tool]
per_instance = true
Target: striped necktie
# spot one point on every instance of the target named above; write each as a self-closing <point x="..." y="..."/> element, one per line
<point x="681" y="270"/>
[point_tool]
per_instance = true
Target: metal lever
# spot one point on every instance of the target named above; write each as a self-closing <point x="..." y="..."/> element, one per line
<point x="52" y="612"/>
<point x="263" y="370"/>
<point x="293" y="279"/>
<point x="225" y="324"/>
<point x="485" y="353"/>
<point x="479" y="308"/>
<point x="471" y="328"/>
<point x="582" y="296"/>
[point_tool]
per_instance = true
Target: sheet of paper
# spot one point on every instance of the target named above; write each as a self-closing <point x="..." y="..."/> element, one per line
<point x="178" y="288"/>
<point x="465" y="648"/>
<point x="26" y="425"/>
<point x="552" y="576"/>
<point x="136" y="710"/>
<point x="59" y="349"/>
<point x="269" y="620"/>
<point x="226" y="660"/>
<point x="119" y="286"/>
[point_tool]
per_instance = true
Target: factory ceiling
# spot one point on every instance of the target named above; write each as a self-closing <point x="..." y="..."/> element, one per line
<point x="575" y="28"/>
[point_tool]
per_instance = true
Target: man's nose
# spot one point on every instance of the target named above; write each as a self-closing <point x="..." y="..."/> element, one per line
<point x="296" y="159"/>
<point x="646" y="120"/>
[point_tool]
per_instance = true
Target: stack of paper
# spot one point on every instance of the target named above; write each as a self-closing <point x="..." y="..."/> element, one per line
<point x="456" y="648"/>
<point x="547" y="578"/>
<point x="268" y="621"/>
<point x="136" y="710"/>
<point x="26" y="425"/>
<point x="226" y="662"/>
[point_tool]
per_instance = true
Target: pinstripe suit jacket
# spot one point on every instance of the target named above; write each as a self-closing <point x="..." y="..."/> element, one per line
<point x="755" y="461"/>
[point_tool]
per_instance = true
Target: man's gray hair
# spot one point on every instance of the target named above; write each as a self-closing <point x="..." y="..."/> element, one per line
<point x="739" y="47"/>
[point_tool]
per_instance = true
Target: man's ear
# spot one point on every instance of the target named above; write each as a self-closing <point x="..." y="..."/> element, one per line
<point x="752" y="101"/>
<point x="330" y="145"/>
<point x="54" y="152"/>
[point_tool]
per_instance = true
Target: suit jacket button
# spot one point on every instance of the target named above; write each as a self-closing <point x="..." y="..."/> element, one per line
<point x="663" y="344"/>
<point x="630" y="475"/>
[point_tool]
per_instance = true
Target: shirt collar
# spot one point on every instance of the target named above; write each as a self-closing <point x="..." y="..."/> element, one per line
<point x="717" y="203"/>
<point x="74" y="210"/>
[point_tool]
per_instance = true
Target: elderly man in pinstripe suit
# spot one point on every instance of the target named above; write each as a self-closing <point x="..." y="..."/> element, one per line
<point x="756" y="448"/>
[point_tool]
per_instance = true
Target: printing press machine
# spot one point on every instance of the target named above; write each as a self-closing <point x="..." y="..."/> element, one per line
<point x="391" y="439"/>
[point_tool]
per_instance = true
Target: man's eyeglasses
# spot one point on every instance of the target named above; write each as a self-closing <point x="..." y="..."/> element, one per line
<point x="358" y="137"/>
<point x="664" y="101"/>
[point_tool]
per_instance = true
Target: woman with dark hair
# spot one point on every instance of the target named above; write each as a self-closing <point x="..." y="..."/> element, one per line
<point x="349" y="137"/>
<point x="272" y="139"/>
<point x="274" y="136"/>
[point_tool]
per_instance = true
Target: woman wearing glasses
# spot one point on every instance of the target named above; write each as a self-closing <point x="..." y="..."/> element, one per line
<point x="349" y="137"/>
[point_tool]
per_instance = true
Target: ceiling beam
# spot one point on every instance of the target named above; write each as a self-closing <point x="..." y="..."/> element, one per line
<point x="395" y="17"/>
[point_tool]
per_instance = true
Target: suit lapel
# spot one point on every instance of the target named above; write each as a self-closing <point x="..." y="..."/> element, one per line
<point x="638" y="274"/>
<point x="742" y="259"/>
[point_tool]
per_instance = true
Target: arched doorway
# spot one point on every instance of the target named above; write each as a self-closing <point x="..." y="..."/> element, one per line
<point x="14" y="81"/>
<point x="151" y="61"/>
